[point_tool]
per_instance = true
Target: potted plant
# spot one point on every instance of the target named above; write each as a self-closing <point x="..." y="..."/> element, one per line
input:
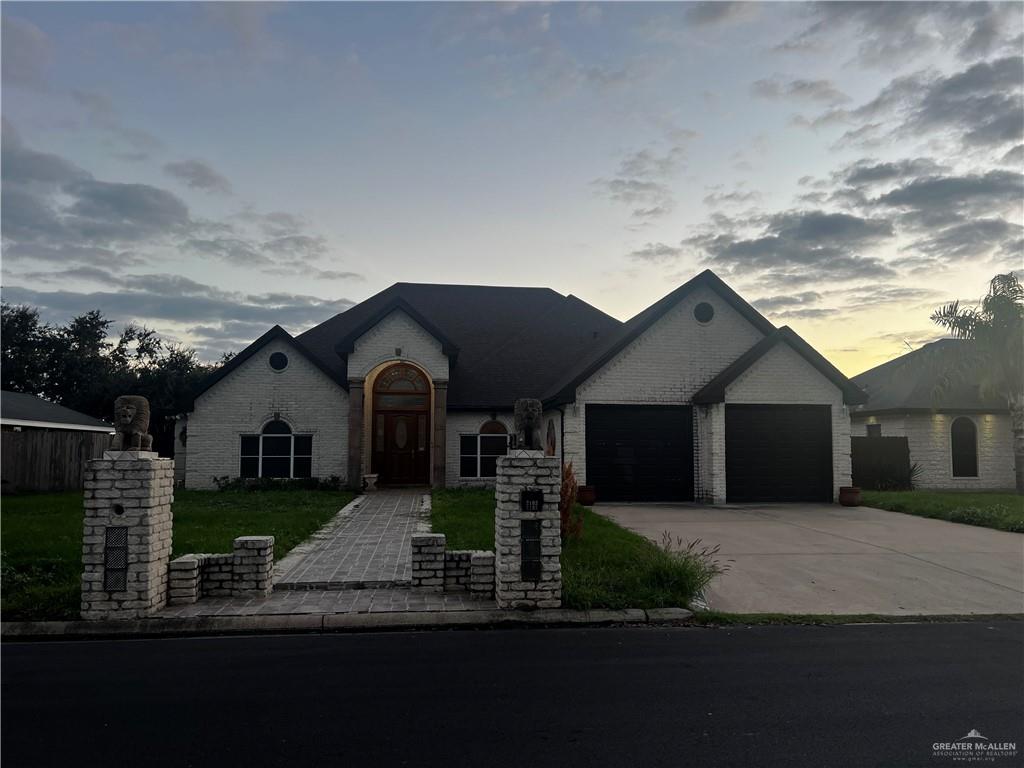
<point x="587" y="495"/>
<point x="849" y="495"/>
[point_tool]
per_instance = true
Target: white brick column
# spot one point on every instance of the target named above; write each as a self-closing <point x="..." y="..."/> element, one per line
<point x="126" y="542"/>
<point x="527" y="492"/>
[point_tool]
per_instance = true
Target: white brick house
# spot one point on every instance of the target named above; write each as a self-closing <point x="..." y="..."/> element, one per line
<point x="960" y="439"/>
<point x="697" y="397"/>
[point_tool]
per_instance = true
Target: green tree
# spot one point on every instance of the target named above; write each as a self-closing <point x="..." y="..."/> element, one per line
<point x="995" y="355"/>
<point x="80" y="366"/>
<point x="26" y="349"/>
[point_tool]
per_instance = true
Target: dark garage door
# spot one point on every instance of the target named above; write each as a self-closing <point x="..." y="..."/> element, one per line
<point x="640" y="452"/>
<point x="778" y="453"/>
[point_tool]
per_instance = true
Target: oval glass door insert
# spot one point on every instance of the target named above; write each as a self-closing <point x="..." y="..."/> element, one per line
<point x="401" y="434"/>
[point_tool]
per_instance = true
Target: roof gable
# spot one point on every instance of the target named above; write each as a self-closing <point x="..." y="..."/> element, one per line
<point x="714" y="390"/>
<point x="347" y="342"/>
<point x="565" y="390"/>
<point x="275" y="333"/>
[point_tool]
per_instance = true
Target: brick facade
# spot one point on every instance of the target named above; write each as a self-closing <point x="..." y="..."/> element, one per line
<point x="242" y="403"/>
<point x="928" y="438"/>
<point x="398" y="331"/>
<point x="667" y="364"/>
<point x="783" y="376"/>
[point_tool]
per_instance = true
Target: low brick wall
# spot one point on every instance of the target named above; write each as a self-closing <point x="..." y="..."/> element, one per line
<point x="428" y="561"/>
<point x="456" y="570"/>
<point x="459" y="570"/>
<point x="244" y="571"/>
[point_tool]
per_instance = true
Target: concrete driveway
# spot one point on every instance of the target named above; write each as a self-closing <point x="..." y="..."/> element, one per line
<point x="824" y="558"/>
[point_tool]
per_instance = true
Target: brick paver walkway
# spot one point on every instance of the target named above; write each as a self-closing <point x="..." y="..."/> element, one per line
<point x="331" y="601"/>
<point x="363" y="547"/>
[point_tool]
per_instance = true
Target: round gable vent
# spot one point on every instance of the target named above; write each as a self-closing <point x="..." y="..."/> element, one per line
<point x="278" y="361"/>
<point x="703" y="312"/>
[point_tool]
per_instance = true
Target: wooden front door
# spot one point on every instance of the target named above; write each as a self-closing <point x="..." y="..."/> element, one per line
<point x="401" y="426"/>
<point x="404" y="455"/>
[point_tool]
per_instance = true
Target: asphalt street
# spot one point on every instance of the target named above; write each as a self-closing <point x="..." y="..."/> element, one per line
<point x="870" y="695"/>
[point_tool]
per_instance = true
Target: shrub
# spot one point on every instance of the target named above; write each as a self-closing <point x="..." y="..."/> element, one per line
<point x="228" y="483"/>
<point x="700" y="560"/>
<point x="572" y="517"/>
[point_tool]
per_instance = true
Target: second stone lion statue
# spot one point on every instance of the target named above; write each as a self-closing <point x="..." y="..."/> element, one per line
<point x="528" y="416"/>
<point x="131" y="424"/>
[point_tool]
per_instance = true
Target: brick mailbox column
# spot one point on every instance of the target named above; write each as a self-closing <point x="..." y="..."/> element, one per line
<point x="126" y="542"/>
<point x="527" y="536"/>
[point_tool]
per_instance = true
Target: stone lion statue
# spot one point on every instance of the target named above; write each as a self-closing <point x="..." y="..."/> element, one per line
<point x="131" y="424"/>
<point x="528" y="413"/>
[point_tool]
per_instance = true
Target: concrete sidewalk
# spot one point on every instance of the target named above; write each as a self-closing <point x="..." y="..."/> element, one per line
<point x="828" y="559"/>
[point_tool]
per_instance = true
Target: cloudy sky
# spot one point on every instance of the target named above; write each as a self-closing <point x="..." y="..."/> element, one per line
<point x="211" y="170"/>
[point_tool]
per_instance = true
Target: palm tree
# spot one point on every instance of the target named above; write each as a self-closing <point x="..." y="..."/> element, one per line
<point x="996" y="352"/>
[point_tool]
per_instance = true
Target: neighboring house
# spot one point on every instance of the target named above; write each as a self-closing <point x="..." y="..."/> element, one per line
<point x="960" y="439"/>
<point x="45" y="445"/>
<point x="697" y="397"/>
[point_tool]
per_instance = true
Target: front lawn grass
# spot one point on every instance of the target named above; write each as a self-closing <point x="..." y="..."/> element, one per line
<point x="608" y="567"/>
<point x="1002" y="511"/>
<point x="41" y="538"/>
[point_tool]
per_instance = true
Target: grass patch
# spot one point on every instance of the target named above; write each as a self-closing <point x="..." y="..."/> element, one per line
<point x="41" y="562"/>
<point x="720" y="619"/>
<point x="1002" y="511"/>
<point x="609" y="567"/>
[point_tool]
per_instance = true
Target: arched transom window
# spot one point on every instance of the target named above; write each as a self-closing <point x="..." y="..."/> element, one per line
<point x="276" y="452"/>
<point x="478" y="453"/>
<point x="401" y="388"/>
<point x="963" y="440"/>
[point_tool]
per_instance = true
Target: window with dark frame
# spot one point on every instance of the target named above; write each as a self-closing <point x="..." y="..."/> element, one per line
<point x="963" y="438"/>
<point x="478" y="453"/>
<point x="276" y="453"/>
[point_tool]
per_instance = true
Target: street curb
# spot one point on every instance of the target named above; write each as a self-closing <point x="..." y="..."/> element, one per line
<point x="18" y="631"/>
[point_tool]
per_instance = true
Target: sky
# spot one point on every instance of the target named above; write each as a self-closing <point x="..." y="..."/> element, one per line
<point x="210" y="170"/>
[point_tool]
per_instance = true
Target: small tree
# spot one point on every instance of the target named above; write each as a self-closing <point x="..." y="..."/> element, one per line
<point x="995" y="354"/>
<point x="572" y="516"/>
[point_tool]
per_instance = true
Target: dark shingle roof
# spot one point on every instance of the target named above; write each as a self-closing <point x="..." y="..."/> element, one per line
<point x="909" y="383"/>
<point x="510" y="342"/>
<point x="503" y="343"/>
<point x="714" y="390"/>
<point x="17" y="406"/>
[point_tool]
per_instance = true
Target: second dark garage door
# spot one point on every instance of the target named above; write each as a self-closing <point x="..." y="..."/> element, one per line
<point x="640" y="452"/>
<point x="778" y="453"/>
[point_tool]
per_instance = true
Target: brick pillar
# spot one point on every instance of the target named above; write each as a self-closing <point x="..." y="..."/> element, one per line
<point x="527" y="492"/>
<point x="438" y="444"/>
<point x="355" y="434"/>
<point x="126" y="542"/>
<point x="252" y="564"/>
<point x="428" y="561"/>
<point x="481" y="574"/>
<point x="184" y="575"/>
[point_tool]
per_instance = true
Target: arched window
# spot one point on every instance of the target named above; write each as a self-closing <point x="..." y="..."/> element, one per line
<point x="478" y="454"/>
<point x="963" y="439"/>
<point x="403" y="388"/>
<point x="276" y="452"/>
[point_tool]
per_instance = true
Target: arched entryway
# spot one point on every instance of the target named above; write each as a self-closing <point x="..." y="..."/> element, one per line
<point x="401" y="426"/>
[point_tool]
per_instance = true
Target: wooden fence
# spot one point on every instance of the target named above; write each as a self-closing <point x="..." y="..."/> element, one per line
<point x="881" y="463"/>
<point x="42" y="460"/>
